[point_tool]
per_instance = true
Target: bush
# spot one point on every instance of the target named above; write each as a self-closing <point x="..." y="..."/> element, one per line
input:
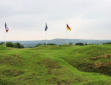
<point x="18" y="45"/>
<point x="10" y="44"/>
<point x="107" y="43"/>
<point x="81" y="44"/>
<point x="70" y="43"/>
<point x="85" y="44"/>
<point x="15" y="45"/>
<point x="44" y="44"/>
<point x="39" y="45"/>
<point x="1" y="43"/>
<point x="51" y="44"/>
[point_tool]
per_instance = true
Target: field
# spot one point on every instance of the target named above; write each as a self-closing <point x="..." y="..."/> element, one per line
<point x="56" y="65"/>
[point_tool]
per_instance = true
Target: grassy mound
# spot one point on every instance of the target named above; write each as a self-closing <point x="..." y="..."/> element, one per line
<point x="56" y="65"/>
<point x="91" y="59"/>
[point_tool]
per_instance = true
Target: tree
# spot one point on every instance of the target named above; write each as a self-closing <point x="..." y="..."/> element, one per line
<point x="15" y="45"/>
<point x="81" y="44"/>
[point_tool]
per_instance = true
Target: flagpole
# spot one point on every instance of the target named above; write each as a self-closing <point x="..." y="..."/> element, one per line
<point x="68" y="37"/>
<point x="5" y="42"/>
<point x="68" y="30"/>
<point x="5" y="36"/>
<point x="46" y="38"/>
<point x="46" y="34"/>
<point x="6" y="31"/>
<point x="66" y="34"/>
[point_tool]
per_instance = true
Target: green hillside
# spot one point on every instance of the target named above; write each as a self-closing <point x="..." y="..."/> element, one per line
<point x="56" y="65"/>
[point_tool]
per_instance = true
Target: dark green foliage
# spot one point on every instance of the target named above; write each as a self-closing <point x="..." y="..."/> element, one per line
<point x="15" y="45"/>
<point x="1" y="43"/>
<point x="70" y="43"/>
<point x="107" y="43"/>
<point x="18" y="45"/>
<point x="51" y="44"/>
<point x="10" y="44"/>
<point x="85" y="44"/>
<point x="44" y="44"/>
<point x="39" y="45"/>
<point x="80" y="44"/>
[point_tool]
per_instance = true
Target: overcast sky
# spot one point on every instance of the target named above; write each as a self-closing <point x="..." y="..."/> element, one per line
<point x="89" y="19"/>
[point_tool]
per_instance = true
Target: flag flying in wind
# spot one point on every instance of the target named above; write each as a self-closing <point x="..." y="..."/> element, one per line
<point x="46" y="27"/>
<point x="68" y="28"/>
<point x="6" y="27"/>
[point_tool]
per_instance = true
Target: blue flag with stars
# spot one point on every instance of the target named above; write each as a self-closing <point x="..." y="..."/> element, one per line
<point x="46" y="27"/>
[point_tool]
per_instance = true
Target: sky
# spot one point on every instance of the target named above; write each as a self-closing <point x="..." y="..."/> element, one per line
<point x="88" y="19"/>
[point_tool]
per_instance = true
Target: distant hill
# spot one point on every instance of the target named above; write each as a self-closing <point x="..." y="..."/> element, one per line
<point x="61" y="42"/>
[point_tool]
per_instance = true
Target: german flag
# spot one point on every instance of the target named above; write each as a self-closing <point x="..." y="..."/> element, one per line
<point x="68" y="28"/>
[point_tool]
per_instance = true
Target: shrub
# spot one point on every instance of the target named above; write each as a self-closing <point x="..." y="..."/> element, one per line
<point x="81" y="44"/>
<point x="15" y="45"/>
<point x="44" y="44"/>
<point x="39" y="45"/>
<point x="10" y="44"/>
<point x="70" y="43"/>
<point x="18" y="45"/>
<point x="51" y="44"/>
<point x="85" y="44"/>
<point x="1" y="43"/>
<point x="107" y="43"/>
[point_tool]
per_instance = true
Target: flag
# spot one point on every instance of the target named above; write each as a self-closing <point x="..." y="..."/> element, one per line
<point x="46" y="27"/>
<point x="68" y="28"/>
<point x="6" y="28"/>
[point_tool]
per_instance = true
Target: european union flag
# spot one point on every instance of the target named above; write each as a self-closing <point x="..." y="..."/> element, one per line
<point x="46" y="27"/>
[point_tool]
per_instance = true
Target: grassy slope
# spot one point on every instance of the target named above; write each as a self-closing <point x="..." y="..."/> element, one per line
<point x="51" y="65"/>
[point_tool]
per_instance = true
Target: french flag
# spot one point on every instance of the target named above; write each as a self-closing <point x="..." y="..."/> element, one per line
<point x="6" y="27"/>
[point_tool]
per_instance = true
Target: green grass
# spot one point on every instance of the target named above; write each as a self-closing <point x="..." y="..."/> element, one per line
<point x="56" y="65"/>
